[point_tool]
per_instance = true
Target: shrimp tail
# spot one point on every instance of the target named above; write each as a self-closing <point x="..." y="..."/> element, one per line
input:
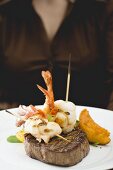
<point x="44" y="91"/>
<point x="49" y="92"/>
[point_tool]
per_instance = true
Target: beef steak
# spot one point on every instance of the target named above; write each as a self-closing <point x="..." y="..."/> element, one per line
<point x="59" y="151"/>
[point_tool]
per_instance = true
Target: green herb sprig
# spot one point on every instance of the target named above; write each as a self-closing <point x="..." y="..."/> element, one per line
<point x="13" y="139"/>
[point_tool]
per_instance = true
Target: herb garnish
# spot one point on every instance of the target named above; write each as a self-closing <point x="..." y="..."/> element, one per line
<point x="77" y="123"/>
<point x="13" y="139"/>
<point x="95" y="144"/>
<point x="50" y="118"/>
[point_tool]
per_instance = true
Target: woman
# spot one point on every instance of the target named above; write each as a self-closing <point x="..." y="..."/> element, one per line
<point x="38" y="35"/>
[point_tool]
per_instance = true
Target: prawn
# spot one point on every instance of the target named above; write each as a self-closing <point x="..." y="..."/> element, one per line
<point x="66" y="115"/>
<point x="26" y="112"/>
<point x="41" y="129"/>
<point x="49" y="101"/>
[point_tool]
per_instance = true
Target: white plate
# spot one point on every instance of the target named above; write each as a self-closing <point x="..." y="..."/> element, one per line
<point x="13" y="156"/>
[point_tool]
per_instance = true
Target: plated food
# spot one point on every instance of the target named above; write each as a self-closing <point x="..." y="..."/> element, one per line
<point x="51" y="133"/>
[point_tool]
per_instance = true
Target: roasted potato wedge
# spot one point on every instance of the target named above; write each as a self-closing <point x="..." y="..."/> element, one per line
<point x="94" y="132"/>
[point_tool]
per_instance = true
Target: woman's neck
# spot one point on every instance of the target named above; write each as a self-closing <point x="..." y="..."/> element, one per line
<point x="49" y="2"/>
<point x="52" y="13"/>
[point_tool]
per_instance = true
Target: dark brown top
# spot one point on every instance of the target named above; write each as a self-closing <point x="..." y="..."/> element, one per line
<point x="86" y="33"/>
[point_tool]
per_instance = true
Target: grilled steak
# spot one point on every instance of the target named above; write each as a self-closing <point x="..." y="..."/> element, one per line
<point x="59" y="151"/>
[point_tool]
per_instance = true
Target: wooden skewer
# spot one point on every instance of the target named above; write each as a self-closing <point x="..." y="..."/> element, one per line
<point x="63" y="138"/>
<point x="9" y="112"/>
<point x="68" y="78"/>
<point x="13" y="114"/>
